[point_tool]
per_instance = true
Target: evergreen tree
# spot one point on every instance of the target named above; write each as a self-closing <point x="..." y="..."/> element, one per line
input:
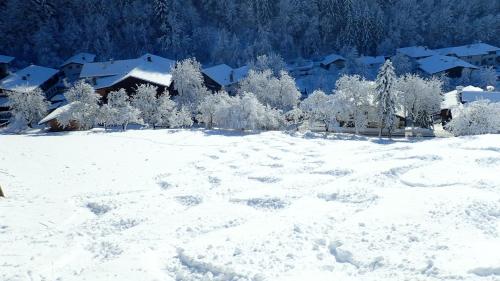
<point x="385" y="98"/>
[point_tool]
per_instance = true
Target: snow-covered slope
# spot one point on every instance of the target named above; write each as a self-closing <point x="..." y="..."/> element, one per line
<point x="197" y="205"/>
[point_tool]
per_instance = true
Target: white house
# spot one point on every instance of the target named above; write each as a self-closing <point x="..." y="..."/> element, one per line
<point x="479" y="54"/>
<point x="127" y="74"/>
<point x="26" y="79"/>
<point x="415" y="53"/>
<point x="333" y="60"/>
<point x="72" y="67"/>
<point x="371" y="62"/>
<point x="439" y="65"/>
<point x="222" y="76"/>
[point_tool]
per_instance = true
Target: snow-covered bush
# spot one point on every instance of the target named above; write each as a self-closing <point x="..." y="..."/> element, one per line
<point x="320" y="108"/>
<point x="120" y="110"/>
<point x="354" y="97"/>
<point x="484" y="77"/>
<point x="475" y="118"/>
<point x="27" y="107"/>
<point x="402" y="64"/>
<point x="293" y="118"/>
<point x="145" y="100"/>
<point x="209" y="106"/>
<point x="85" y="106"/>
<point x="278" y="92"/>
<point x="245" y="112"/>
<point x="180" y="118"/>
<point x="188" y="82"/>
<point x="385" y="98"/>
<point x="419" y="98"/>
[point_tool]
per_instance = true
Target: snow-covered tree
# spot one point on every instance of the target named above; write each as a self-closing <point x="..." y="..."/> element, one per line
<point x="188" y="82"/>
<point x="27" y="106"/>
<point x="122" y="113"/>
<point x="385" y="98"/>
<point x="181" y="118"/>
<point x="419" y="99"/>
<point x="320" y="108"/>
<point x="475" y="118"/>
<point x="280" y="93"/>
<point x="273" y="61"/>
<point x="209" y="106"/>
<point x="354" y="96"/>
<point x="85" y="106"/>
<point x="484" y="77"/>
<point x="294" y="118"/>
<point x="145" y="100"/>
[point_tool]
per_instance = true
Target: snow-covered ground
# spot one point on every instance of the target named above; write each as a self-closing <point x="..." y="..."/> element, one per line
<point x="198" y="205"/>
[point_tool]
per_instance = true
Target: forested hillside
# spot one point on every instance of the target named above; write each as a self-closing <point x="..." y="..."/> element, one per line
<point x="233" y="31"/>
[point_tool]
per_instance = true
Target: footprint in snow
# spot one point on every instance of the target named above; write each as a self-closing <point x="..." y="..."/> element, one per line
<point x="189" y="200"/>
<point x="99" y="208"/>
<point x="161" y="180"/>
<point x="272" y="203"/>
<point x="265" y="179"/>
<point x="333" y="173"/>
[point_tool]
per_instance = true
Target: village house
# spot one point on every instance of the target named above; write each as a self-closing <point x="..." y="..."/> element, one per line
<point x="455" y="99"/>
<point x="415" y="53"/>
<point x="72" y="67"/>
<point x="333" y="61"/>
<point x="371" y="62"/>
<point x="52" y="121"/>
<point x="223" y="77"/>
<point x="4" y="65"/>
<point x="444" y="65"/>
<point x="479" y="54"/>
<point x="112" y="75"/>
<point x="27" y="79"/>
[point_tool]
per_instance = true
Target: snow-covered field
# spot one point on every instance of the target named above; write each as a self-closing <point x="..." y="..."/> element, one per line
<point x="198" y="205"/>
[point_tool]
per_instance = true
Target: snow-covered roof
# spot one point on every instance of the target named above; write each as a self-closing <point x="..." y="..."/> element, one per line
<point x="150" y="68"/>
<point x="331" y="59"/>
<point x="56" y="113"/>
<point x="80" y="58"/>
<point x="468" y="50"/>
<point x="367" y="60"/>
<point x="470" y="96"/>
<point x="439" y="63"/>
<point x="6" y="59"/>
<point x="221" y="74"/>
<point x="28" y="78"/>
<point x="452" y="98"/>
<point x="416" y="52"/>
<point x="224" y="75"/>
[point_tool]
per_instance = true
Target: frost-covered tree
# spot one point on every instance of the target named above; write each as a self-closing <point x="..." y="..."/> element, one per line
<point x="209" y="106"/>
<point x="145" y="100"/>
<point x="419" y="99"/>
<point x="484" y="77"/>
<point x="280" y="93"/>
<point x="294" y="118"/>
<point x="475" y="118"/>
<point x="385" y="98"/>
<point x="245" y="112"/>
<point x="181" y="118"/>
<point x="122" y="112"/>
<point x="320" y="108"/>
<point x="354" y="96"/>
<point x="273" y="61"/>
<point x="188" y="82"/>
<point x="85" y="106"/>
<point x="27" y="107"/>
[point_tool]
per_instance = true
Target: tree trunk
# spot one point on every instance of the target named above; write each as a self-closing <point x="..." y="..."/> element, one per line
<point x="1" y="192"/>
